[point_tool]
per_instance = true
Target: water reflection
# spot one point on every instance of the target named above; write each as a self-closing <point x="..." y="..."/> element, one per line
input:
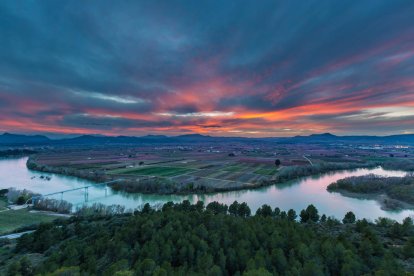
<point x="296" y="194"/>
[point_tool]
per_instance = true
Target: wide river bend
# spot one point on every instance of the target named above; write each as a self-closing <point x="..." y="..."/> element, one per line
<point x="297" y="194"/>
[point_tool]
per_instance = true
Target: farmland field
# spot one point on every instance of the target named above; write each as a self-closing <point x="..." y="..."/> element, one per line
<point x="207" y="167"/>
<point x="266" y="171"/>
<point x="157" y="171"/>
<point x="234" y="168"/>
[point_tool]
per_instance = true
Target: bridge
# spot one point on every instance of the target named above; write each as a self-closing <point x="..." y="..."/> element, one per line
<point x="85" y="188"/>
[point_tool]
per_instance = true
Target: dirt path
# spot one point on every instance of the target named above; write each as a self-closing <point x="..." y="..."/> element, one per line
<point x="307" y="159"/>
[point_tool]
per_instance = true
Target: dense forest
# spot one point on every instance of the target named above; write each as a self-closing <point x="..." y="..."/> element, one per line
<point x="185" y="239"/>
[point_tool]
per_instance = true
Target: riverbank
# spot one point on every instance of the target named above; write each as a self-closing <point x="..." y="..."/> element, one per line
<point x="199" y="185"/>
<point x="392" y="193"/>
<point x="386" y="203"/>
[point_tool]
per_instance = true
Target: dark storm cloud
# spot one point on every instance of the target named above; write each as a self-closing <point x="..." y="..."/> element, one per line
<point x="282" y="63"/>
<point x="108" y="122"/>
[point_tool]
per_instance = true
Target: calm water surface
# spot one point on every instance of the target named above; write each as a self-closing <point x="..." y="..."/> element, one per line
<point x="296" y="194"/>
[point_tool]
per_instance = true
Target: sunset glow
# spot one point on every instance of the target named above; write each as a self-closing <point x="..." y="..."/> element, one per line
<point x="253" y="70"/>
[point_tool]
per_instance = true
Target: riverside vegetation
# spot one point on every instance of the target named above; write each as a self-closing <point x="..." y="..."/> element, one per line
<point x="185" y="239"/>
<point x="392" y="192"/>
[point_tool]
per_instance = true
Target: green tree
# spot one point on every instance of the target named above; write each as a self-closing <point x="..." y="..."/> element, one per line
<point x="21" y="200"/>
<point x="408" y="249"/>
<point x="159" y="271"/>
<point x="257" y="272"/>
<point x="310" y="214"/>
<point x="350" y="265"/>
<point x="146" y="209"/>
<point x="277" y="162"/>
<point x="349" y="218"/>
<point x="14" y="269"/>
<point x="204" y="262"/>
<point x="408" y="226"/>
<point x="291" y="215"/>
<point x="146" y="267"/>
<point x="264" y="211"/>
<point x="389" y="267"/>
<point x="311" y="268"/>
<point x="279" y="260"/>
<point x="167" y="206"/>
<point x="26" y="267"/>
<point x="68" y="271"/>
<point x="121" y="265"/>
<point x="234" y="208"/>
<point x="124" y="273"/>
<point x="186" y="239"/>
<point x="199" y="207"/>
<point x="215" y="271"/>
<point x="276" y="212"/>
<point x="217" y="208"/>
<point x="244" y="210"/>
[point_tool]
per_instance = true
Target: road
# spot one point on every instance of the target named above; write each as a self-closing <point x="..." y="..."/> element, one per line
<point x="310" y="162"/>
<point x="15" y="235"/>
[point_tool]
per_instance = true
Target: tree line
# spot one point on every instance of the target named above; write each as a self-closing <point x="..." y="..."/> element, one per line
<point x="217" y="239"/>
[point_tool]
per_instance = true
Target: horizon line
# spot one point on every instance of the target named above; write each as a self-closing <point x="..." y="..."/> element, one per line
<point x="75" y="135"/>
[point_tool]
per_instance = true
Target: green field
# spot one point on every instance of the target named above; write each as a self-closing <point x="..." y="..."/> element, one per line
<point x="378" y="159"/>
<point x="156" y="171"/>
<point x="264" y="171"/>
<point x="13" y="219"/>
<point x="234" y="168"/>
<point x="3" y="203"/>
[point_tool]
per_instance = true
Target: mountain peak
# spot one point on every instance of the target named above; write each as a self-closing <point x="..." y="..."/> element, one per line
<point x="10" y="138"/>
<point x="326" y="134"/>
<point x="193" y="135"/>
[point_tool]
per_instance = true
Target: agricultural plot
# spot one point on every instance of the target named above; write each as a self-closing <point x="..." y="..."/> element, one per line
<point x="156" y="171"/>
<point x="234" y="168"/>
<point x="266" y="171"/>
<point x="209" y="167"/>
<point x="206" y="173"/>
<point x="222" y="166"/>
<point x="252" y="178"/>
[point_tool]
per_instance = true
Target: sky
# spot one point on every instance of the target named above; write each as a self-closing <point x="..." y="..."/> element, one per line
<point x="224" y="68"/>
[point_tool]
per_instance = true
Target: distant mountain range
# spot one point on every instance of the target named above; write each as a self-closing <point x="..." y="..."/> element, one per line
<point x="19" y="139"/>
<point x="8" y="138"/>
<point x="327" y="137"/>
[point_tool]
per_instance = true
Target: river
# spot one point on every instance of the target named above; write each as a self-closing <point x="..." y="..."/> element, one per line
<point x="297" y="194"/>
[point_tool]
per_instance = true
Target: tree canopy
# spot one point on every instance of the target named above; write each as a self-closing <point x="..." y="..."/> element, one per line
<point x="191" y="239"/>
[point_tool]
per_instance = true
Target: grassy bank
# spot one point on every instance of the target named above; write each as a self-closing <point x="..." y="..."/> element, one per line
<point x="3" y="203"/>
<point x="11" y="220"/>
